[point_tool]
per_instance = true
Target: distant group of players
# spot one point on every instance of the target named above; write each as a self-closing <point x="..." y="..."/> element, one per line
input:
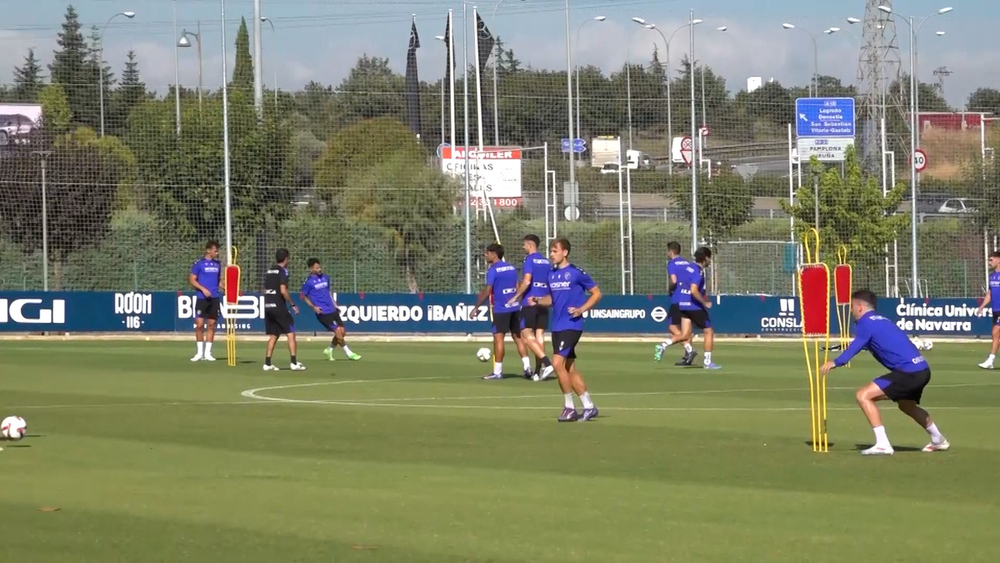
<point x="554" y="291"/>
<point x="316" y="293"/>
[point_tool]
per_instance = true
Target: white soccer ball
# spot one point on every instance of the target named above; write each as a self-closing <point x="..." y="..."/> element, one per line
<point x="928" y="344"/>
<point x="484" y="354"/>
<point x="13" y="428"/>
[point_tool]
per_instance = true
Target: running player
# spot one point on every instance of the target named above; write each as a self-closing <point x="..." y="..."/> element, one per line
<point x="277" y="320"/>
<point x="993" y="298"/>
<point x="206" y="277"/>
<point x="534" y="319"/>
<point x="693" y="302"/>
<point x="501" y="284"/>
<point x="675" y="266"/>
<point x="905" y="382"/>
<point x="572" y="292"/>
<point x="317" y="294"/>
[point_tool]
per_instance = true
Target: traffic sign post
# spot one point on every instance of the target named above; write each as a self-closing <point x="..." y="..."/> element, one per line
<point x="920" y="160"/>
<point x="686" y="150"/>
<point x="579" y="145"/>
<point x="703" y="131"/>
<point x="824" y="127"/>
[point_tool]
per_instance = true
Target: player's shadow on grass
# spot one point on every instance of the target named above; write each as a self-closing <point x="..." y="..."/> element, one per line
<point x="861" y="447"/>
<point x="810" y="443"/>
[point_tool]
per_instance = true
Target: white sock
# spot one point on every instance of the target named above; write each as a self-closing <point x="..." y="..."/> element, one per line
<point x="526" y="362"/>
<point x="688" y="348"/>
<point x="880" y="438"/>
<point x="585" y="399"/>
<point x="708" y="358"/>
<point x="568" y="401"/>
<point x="201" y="348"/>
<point x="208" y="348"/>
<point x="666" y="343"/>
<point x="936" y="436"/>
<point x="991" y="358"/>
<point x="497" y="368"/>
<point x="347" y="350"/>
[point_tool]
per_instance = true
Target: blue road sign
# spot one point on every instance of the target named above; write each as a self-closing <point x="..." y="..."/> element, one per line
<point x="579" y="145"/>
<point x="824" y="117"/>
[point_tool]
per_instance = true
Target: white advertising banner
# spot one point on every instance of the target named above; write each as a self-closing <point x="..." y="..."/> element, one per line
<point x="494" y="172"/>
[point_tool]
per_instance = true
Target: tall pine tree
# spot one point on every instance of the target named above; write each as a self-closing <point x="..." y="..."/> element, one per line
<point x="130" y="93"/>
<point x="69" y="69"/>
<point x="28" y="79"/>
<point x="243" y="69"/>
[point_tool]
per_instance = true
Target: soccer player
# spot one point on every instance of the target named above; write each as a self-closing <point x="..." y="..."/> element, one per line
<point x="206" y="277"/>
<point x="534" y="319"/>
<point x="675" y="267"/>
<point x="693" y="302"/>
<point x="993" y="298"/>
<point x="501" y="284"/>
<point x="905" y="382"/>
<point x="277" y="320"/>
<point x="572" y="292"/>
<point x="316" y="293"/>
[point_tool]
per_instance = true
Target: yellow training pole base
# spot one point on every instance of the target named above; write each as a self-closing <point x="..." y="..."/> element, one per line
<point x="230" y="345"/>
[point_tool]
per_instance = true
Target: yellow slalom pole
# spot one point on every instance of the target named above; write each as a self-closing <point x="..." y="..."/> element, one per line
<point x="820" y="340"/>
<point x="232" y="297"/>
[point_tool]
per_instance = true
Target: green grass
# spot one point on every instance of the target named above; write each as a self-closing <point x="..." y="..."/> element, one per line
<point x="152" y="458"/>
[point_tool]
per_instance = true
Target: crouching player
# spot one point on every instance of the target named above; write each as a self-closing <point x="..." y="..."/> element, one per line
<point x="568" y="297"/>
<point x="905" y="382"/>
<point x="317" y="294"/>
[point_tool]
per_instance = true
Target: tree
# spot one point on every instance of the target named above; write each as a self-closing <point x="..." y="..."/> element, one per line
<point x="985" y="100"/>
<point x="69" y="68"/>
<point x="28" y="79"/>
<point x="243" y="69"/>
<point x="362" y="146"/>
<point x="371" y="90"/>
<point x="81" y="190"/>
<point x="130" y="93"/>
<point x="724" y="203"/>
<point x="56" y="113"/>
<point x="852" y="210"/>
<point x="409" y="201"/>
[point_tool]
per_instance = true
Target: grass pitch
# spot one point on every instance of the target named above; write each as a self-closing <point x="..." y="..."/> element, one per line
<point x="409" y="456"/>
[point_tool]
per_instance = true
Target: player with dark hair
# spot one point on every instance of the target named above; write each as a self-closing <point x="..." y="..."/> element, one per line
<point x="993" y="298"/>
<point x="534" y="319"/>
<point x="572" y="292"/>
<point x="277" y="320"/>
<point x="501" y="284"/>
<point x="675" y="267"/>
<point x="206" y="277"/>
<point x="905" y="382"/>
<point x="693" y="302"/>
<point x="317" y="293"/>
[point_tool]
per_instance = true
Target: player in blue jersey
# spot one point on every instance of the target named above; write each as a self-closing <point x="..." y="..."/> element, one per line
<point x="693" y="302"/>
<point x="572" y="292"/>
<point x="534" y="319"/>
<point x="905" y="382"/>
<point x="675" y="267"/>
<point x="317" y="293"/>
<point x="501" y="285"/>
<point x="993" y="298"/>
<point x="206" y="277"/>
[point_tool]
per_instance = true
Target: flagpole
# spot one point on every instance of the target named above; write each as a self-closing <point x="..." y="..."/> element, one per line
<point x="479" y="84"/>
<point x="451" y="76"/>
<point x="465" y="103"/>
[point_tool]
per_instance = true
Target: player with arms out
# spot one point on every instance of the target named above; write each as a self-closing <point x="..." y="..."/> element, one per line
<point x="501" y="284"/>
<point x="675" y="267"/>
<point x="206" y="277"/>
<point x="534" y="319"/>
<point x="572" y="292"/>
<point x="317" y="294"/>
<point x="277" y="320"/>
<point x="905" y="382"/>
<point x="693" y="302"/>
<point x="993" y="298"/>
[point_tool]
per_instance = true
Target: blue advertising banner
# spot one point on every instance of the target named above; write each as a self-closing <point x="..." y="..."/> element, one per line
<point x="452" y="313"/>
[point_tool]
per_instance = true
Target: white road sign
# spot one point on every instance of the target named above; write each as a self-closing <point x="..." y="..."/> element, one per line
<point x="831" y="149"/>
<point x="920" y="160"/>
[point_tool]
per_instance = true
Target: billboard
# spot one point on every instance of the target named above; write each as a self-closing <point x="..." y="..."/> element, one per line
<point x="452" y="313"/>
<point x="495" y="172"/>
<point x="17" y="121"/>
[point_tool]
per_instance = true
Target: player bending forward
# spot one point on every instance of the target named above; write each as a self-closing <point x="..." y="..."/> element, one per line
<point x="501" y="284"/>
<point x="905" y="382"/>
<point x="569" y="287"/>
<point x="993" y="298"/>
<point x="317" y="294"/>
<point x="675" y="267"/>
<point x="693" y="303"/>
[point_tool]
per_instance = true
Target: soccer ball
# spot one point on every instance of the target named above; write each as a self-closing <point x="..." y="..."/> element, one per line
<point x="13" y="428"/>
<point x="483" y="354"/>
<point x="928" y="344"/>
<point x="922" y="345"/>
